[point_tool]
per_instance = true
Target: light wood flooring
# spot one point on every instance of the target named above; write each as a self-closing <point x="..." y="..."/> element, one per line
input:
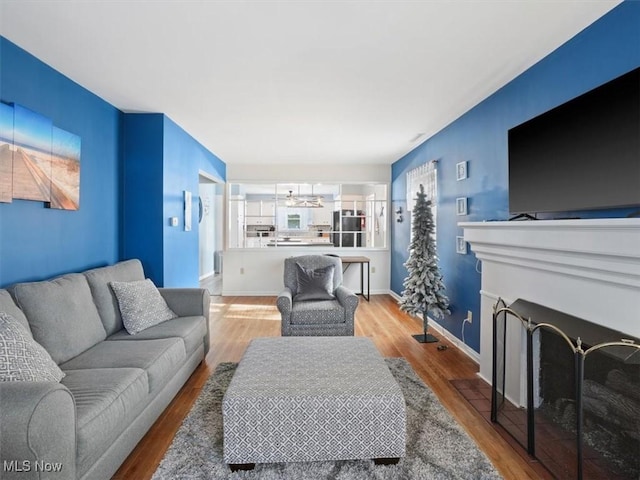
<point x="237" y="320"/>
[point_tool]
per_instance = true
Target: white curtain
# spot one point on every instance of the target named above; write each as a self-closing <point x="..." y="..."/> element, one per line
<point x="426" y="175"/>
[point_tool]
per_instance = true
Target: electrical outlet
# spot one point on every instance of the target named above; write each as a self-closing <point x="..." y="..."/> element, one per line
<point x="373" y="269"/>
<point x="241" y="270"/>
<point x="470" y="316"/>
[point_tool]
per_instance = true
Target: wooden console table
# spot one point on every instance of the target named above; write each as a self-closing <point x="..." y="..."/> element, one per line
<point x="347" y="261"/>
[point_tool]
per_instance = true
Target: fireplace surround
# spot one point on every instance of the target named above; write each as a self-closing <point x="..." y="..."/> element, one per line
<point x="589" y="269"/>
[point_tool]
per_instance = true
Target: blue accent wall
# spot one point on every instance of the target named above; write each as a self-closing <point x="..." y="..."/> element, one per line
<point x="37" y="242"/>
<point x="142" y="215"/>
<point x="133" y="170"/>
<point x="607" y="49"/>
<point x="184" y="159"/>
<point x="161" y="161"/>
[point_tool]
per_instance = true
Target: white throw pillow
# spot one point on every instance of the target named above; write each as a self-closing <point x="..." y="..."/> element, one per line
<point x="22" y="359"/>
<point x="141" y="305"/>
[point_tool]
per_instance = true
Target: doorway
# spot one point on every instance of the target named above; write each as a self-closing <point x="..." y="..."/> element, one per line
<point x="210" y="223"/>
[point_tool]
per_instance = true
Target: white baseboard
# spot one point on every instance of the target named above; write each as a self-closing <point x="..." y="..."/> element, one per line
<point x="244" y="293"/>
<point x="482" y="377"/>
<point x="463" y="347"/>
<point x="394" y="295"/>
<point x="466" y="349"/>
<point x="206" y="275"/>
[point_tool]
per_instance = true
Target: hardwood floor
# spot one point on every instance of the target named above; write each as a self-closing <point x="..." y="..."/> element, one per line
<point x="237" y="320"/>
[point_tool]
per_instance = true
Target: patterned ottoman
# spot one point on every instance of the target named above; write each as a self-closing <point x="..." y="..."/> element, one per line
<point x="299" y="399"/>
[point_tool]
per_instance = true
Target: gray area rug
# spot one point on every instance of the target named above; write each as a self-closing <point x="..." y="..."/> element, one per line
<point x="437" y="447"/>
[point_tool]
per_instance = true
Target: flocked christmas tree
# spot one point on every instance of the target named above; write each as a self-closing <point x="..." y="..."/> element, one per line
<point x="423" y="288"/>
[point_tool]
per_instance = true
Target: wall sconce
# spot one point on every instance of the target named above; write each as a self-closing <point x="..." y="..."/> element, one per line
<point x="399" y="214"/>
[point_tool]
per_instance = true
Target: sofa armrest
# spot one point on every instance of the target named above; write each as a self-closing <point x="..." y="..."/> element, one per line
<point x="189" y="302"/>
<point x="37" y="431"/>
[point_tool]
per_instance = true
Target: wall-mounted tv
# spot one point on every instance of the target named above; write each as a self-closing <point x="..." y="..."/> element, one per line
<point x="581" y="155"/>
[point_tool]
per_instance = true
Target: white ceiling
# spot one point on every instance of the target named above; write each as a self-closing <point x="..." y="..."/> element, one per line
<point x="297" y="81"/>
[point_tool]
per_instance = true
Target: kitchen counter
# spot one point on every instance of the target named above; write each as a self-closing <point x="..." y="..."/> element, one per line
<point x="303" y="242"/>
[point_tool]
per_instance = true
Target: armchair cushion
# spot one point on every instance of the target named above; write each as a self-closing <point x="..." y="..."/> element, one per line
<point x="324" y="312"/>
<point x="314" y="284"/>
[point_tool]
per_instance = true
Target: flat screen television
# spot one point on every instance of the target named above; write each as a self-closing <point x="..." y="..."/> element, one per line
<point x="581" y="155"/>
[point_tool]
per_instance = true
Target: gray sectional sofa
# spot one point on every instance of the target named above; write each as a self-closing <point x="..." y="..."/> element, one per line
<point x="115" y="385"/>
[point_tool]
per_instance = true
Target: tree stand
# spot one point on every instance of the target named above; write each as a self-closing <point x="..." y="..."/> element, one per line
<point x="425" y="337"/>
<point x="429" y="338"/>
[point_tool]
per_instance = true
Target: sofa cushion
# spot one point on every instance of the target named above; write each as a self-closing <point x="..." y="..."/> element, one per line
<point x="61" y="314"/>
<point x="107" y="401"/>
<point x="191" y="329"/>
<point x="9" y="306"/>
<point x="160" y="358"/>
<point x="141" y="305"/>
<point x="103" y="296"/>
<point x="322" y="312"/>
<point x="22" y="359"/>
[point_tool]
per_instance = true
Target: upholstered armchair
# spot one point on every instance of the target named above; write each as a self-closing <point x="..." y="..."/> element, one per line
<point x="314" y="302"/>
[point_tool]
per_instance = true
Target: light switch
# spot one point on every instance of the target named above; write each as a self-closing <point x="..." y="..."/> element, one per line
<point x="174" y="221"/>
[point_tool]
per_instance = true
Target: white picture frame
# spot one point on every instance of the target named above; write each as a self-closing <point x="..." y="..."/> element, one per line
<point x="461" y="246"/>
<point x="461" y="206"/>
<point x="461" y="170"/>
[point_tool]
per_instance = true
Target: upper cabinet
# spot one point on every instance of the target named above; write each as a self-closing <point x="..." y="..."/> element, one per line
<point x="253" y="209"/>
<point x="322" y="216"/>
<point x="260" y="212"/>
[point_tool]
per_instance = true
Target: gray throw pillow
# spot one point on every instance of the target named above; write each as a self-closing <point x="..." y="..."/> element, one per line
<point x="314" y="284"/>
<point x="141" y="305"/>
<point x="22" y="359"/>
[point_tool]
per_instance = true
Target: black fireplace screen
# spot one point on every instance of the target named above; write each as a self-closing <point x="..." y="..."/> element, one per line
<point x="611" y="409"/>
<point x="574" y="406"/>
<point x="508" y="381"/>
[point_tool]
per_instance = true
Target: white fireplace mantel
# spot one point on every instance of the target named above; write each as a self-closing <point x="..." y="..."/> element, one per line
<point x="586" y="268"/>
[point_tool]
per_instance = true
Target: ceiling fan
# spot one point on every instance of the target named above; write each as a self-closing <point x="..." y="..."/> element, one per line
<point x="304" y="201"/>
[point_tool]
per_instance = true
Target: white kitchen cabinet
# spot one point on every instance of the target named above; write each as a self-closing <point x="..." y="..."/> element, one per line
<point x="268" y="209"/>
<point x="253" y="209"/>
<point x="260" y="213"/>
<point x="322" y="216"/>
